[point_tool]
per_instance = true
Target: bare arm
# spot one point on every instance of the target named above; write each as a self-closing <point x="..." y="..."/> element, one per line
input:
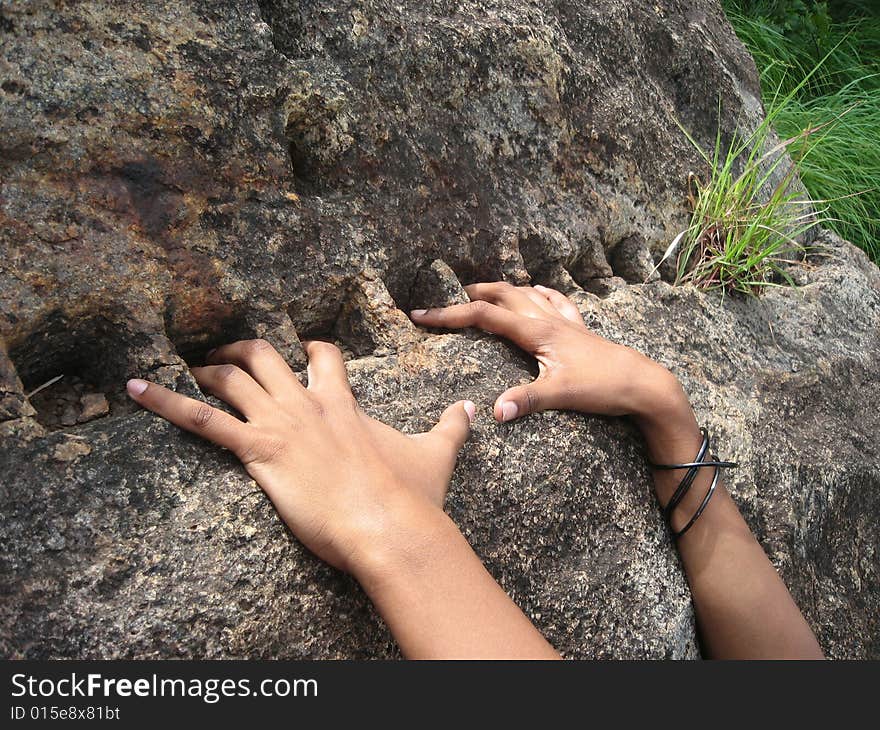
<point x="440" y="602"/>
<point x="360" y="495"/>
<point x="743" y="608"/>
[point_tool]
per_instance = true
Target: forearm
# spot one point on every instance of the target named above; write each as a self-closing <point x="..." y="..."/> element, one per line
<point x="440" y="602"/>
<point x="743" y="608"/>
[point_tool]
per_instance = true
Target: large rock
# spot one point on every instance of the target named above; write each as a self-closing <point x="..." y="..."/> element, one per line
<point x="179" y="175"/>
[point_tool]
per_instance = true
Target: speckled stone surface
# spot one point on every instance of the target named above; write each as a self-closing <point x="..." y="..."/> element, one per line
<point x="177" y="175"/>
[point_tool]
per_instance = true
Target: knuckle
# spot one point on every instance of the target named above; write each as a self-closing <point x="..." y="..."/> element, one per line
<point x="347" y="402"/>
<point x="226" y="372"/>
<point x="532" y="398"/>
<point x="201" y="415"/>
<point x="318" y="408"/>
<point x="480" y="307"/>
<point x="256" y="347"/>
<point x="450" y="432"/>
<point x="261" y="450"/>
<point x="336" y="402"/>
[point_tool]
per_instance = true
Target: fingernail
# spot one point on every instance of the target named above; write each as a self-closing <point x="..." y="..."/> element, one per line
<point x="136" y="386"/>
<point x="418" y="312"/>
<point x="508" y="410"/>
<point x="471" y="410"/>
<point x="210" y="352"/>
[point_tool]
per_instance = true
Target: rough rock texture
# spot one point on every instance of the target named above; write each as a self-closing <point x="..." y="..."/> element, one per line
<point x="176" y="175"/>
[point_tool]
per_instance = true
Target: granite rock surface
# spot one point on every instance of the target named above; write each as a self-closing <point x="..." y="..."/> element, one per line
<point x="178" y="175"/>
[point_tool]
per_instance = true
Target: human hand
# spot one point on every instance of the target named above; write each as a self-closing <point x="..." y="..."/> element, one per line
<point x="578" y="369"/>
<point x="348" y="486"/>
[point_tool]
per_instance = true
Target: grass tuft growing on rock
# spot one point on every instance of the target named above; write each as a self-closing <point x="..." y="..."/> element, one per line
<point x="747" y="217"/>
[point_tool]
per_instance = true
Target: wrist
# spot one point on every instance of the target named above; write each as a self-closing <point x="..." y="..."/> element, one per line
<point x="414" y="531"/>
<point x="671" y="433"/>
<point x="672" y="436"/>
<point x="664" y="416"/>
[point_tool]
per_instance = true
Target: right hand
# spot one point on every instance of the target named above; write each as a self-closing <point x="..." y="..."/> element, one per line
<point x="578" y="369"/>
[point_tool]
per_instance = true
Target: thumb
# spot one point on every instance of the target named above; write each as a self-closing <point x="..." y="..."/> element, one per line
<point x="522" y="400"/>
<point x="455" y="423"/>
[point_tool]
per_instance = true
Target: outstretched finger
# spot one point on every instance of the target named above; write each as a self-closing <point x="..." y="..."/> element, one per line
<point x="194" y="416"/>
<point x="514" y="298"/>
<point x="562" y="303"/>
<point x="489" y="317"/>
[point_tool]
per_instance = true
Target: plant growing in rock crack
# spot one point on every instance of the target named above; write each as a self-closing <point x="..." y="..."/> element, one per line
<point x="741" y="238"/>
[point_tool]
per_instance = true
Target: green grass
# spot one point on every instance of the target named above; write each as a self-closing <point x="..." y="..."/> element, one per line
<point x="843" y="167"/>
<point x="824" y="71"/>
<point x="747" y="213"/>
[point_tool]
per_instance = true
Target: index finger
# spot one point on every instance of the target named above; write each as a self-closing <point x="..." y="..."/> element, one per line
<point x="489" y="317"/>
<point x="194" y="416"/>
<point x="505" y="295"/>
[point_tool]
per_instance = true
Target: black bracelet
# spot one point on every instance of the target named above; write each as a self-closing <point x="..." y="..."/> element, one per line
<point x="702" y="506"/>
<point x="691" y="464"/>
<point x="687" y="481"/>
<point x="685" y="484"/>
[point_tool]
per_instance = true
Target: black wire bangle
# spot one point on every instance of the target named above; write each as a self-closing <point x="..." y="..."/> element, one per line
<point x="702" y="506"/>
<point x="692" y="464"/>
<point x="688" y="479"/>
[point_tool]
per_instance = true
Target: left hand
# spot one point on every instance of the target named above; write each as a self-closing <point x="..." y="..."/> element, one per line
<point x="353" y="490"/>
